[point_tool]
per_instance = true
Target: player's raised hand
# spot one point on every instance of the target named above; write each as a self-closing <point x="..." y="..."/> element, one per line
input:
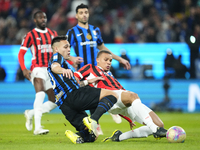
<point x="78" y="60"/>
<point x="125" y="63"/>
<point x="27" y="74"/>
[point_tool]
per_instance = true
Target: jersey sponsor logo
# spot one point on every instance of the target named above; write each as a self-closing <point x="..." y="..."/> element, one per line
<point x="79" y="34"/>
<point x="91" y="43"/>
<point x="38" y="39"/>
<point x="45" y="48"/>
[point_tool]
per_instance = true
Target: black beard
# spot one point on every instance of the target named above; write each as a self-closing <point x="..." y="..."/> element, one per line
<point x="41" y="27"/>
<point x="83" y="22"/>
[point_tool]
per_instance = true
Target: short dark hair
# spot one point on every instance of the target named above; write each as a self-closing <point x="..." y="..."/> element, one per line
<point x="81" y="6"/>
<point x="58" y="39"/>
<point x="103" y="51"/>
<point x="37" y="12"/>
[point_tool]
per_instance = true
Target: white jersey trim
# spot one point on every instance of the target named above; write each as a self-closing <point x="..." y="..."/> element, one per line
<point x="42" y="31"/>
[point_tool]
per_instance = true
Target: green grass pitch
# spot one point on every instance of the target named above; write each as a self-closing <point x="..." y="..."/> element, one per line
<point x="14" y="136"/>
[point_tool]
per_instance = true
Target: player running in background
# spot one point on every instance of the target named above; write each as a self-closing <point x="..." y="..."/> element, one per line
<point x="87" y="41"/>
<point x="104" y="60"/>
<point x="39" y="41"/>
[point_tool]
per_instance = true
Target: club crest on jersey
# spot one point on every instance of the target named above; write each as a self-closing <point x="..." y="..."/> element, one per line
<point x="89" y="37"/>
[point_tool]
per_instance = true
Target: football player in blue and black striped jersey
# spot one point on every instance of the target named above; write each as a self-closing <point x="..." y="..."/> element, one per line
<point x="87" y="41"/>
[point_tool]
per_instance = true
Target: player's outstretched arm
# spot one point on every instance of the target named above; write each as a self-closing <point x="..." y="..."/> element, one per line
<point x="129" y="120"/>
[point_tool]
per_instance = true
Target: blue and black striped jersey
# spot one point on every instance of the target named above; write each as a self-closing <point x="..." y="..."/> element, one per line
<point x="85" y="42"/>
<point x="61" y="85"/>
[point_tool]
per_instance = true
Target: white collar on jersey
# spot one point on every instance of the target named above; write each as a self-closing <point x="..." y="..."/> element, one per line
<point x="103" y="70"/>
<point x="42" y="31"/>
<point x="108" y="72"/>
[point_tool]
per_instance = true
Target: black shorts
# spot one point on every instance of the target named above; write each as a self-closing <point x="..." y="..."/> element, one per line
<point x="74" y="106"/>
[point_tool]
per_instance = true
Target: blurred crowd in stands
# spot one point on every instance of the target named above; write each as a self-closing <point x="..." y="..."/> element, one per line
<point x="120" y="21"/>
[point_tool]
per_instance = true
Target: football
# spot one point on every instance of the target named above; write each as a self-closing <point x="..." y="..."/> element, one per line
<point x="176" y="134"/>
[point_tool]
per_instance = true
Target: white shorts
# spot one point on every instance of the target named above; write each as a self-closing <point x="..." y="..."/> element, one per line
<point x="41" y="72"/>
<point x="120" y="108"/>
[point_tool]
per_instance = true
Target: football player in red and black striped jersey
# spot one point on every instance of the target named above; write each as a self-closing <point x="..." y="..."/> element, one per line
<point x="104" y="61"/>
<point x="39" y="41"/>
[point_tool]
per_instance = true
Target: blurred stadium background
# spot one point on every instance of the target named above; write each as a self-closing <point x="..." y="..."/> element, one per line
<point x="160" y="38"/>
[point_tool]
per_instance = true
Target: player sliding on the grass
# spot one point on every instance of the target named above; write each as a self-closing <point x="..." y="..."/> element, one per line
<point x="73" y="99"/>
<point x="104" y="60"/>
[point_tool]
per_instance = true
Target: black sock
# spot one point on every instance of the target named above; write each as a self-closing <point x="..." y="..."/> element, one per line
<point x="104" y="105"/>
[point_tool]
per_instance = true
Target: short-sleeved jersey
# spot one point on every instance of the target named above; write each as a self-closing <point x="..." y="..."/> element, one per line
<point x="61" y="84"/>
<point x="39" y="42"/>
<point x="85" y="42"/>
<point x="90" y="71"/>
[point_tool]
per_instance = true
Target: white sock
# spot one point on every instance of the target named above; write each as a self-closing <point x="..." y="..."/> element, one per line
<point x="140" y="132"/>
<point x="142" y="113"/>
<point x="48" y="106"/>
<point x="39" y="99"/>
<point x="31" y="113"/>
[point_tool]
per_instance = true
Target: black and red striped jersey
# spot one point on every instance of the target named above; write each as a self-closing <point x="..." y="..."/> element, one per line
<point x="39" y="42"/>
<point x="90" y="71"/>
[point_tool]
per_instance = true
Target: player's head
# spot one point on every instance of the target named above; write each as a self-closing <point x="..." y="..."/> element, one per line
<point x="60" y="45"/>
<point x="82" y="13"/>
<point x="40" y="19"/>
<point x="104" y="59"/>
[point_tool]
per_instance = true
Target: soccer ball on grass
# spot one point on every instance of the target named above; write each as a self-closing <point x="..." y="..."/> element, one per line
<point x="176" y="134"/>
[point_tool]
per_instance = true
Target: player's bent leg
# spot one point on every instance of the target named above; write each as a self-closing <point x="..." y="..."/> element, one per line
<point x="156" y="119"/>
<point x="128" y="97"/>
<point x="103" y="106"/>
<point x="140" y="132"/>
<point x="154" y="116"/>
